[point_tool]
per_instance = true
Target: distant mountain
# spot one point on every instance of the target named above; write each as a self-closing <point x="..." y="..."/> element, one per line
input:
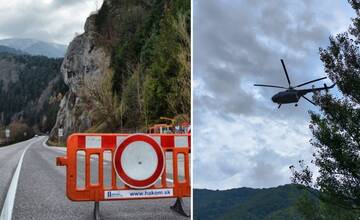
<point x="5" y="49"/>
<point x="247" y="203"/>
<point x="35" y="47"/>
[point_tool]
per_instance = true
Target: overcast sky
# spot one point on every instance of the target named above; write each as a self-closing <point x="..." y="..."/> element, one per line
<point x="48" y="20"/>
<point x="241" y="139"/>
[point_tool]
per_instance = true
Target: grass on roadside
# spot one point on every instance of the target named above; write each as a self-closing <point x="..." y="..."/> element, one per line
<point x="55" y="144"/>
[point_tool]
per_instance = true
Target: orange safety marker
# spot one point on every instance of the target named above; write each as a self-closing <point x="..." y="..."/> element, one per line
<point x="147" y="165"/>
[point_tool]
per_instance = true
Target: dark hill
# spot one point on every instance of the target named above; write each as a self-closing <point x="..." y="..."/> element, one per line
<point x="247" y="203"/>
<point x="31" y="88"/>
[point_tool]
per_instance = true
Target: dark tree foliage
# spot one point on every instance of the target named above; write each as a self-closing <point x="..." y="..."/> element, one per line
<point x="336" y="131"/>
<point x="153" y="48"/>
<point x="311" y="208"/>
<point x="21" y="98"/>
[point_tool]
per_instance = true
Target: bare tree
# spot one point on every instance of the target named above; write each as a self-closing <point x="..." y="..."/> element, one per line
<point x="106" y="109"/>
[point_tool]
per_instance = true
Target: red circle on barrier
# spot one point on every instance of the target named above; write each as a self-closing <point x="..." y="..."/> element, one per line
<point x="135" y="162"/>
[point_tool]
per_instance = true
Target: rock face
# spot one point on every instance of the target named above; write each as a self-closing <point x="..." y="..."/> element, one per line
<point x="90" y="54"/>
<point x="84" y="57"/>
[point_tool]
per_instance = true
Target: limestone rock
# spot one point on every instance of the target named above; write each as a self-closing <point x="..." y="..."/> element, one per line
<point x="84" y="57"/>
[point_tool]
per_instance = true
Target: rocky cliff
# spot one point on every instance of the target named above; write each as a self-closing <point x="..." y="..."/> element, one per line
<point x="89" y="54"/>
<point x="144" y="45"/>
<point x="84" y="57"/>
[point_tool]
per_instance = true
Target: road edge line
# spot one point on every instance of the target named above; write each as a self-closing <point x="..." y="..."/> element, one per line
<point x="6" y="212"/>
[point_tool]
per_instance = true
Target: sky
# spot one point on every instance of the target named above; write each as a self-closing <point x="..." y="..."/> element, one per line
<point x="48" y="20"/>
<point x="241" y="138"/>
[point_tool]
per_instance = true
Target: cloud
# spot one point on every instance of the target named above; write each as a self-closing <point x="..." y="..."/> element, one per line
<point x="238" y="152"/>
<point x="48" y="20"/>
<point x="240" y="137"/>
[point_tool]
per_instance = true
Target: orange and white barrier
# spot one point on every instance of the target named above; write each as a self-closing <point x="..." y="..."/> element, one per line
<point x="140" y="166"/>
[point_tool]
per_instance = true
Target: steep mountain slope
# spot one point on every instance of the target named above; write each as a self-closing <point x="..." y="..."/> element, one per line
<point x="143" y="47"/>
<point x="85" y="56"/>
<point x="30" y="91"/>
<point x="35" y="47"/>
<point x="248" y="204"/>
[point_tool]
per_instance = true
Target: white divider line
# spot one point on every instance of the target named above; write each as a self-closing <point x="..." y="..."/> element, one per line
<point x="6" y="212"/>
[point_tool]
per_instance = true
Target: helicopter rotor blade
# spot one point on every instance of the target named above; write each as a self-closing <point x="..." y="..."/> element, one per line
<point x="308" y="100"/>
<point x="287" y="76"/>
<point x="280" y="87"/>
<point x="310" y="82"/>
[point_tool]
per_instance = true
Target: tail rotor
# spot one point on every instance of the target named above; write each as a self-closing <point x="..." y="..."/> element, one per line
<point x="326" y="87"/>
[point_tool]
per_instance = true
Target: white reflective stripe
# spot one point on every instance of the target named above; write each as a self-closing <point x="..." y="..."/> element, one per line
<point x="119" y="140"/>
<point x="93" y="141"/>
<point x="181" y="141"/>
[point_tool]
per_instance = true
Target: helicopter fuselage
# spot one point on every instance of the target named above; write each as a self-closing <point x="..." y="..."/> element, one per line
<point x="288" y="96"/>
<point x="292" y="95"/>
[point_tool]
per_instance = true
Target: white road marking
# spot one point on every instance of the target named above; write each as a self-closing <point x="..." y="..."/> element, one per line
<point x="6" y="212"/>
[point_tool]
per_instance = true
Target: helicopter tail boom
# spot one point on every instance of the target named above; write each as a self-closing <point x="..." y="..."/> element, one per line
<point x="328" y="87"/>
<point x="304" y="91"/>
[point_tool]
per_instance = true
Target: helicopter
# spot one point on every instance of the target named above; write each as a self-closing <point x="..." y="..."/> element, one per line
<point x="291" y="94"/>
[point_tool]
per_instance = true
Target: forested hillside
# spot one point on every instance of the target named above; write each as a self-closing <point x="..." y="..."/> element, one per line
<point x="278" y="203"/>
<point x="151" y="62"/>
<point x="30" y="90"/>
<point x="156" y="61"/>
<point x="130" y="67"/>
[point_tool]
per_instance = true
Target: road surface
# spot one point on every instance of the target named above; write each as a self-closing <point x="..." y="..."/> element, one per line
<point x="40" y="191"/>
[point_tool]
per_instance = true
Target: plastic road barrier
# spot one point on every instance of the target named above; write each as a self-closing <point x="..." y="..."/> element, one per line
<point x="101" y="167"/>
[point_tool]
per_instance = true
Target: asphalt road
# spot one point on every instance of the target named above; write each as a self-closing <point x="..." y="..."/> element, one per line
<point x="41" y="195"/>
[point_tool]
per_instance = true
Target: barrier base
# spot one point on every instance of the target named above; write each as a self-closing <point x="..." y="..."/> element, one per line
<point x="178" y="207"/>
<point x="97" y="211"/>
